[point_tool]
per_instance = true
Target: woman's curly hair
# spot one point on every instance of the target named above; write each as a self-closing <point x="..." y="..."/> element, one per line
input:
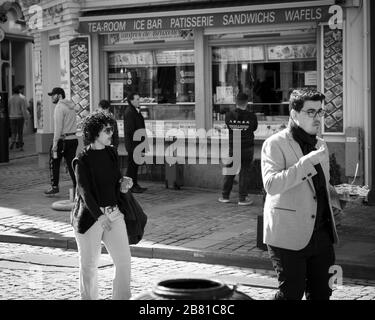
<point x="93" y="124"/>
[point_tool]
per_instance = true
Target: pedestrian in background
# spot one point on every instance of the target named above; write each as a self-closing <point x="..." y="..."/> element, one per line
<point x="104" y="106"/>
<point x="246" y="122"/>
<point x="299" y="226"/>
<point x="96" y="215"/>
<point x="65" y="141"/>
<point x="17" y="116"/>
<point x="133" y="121"/>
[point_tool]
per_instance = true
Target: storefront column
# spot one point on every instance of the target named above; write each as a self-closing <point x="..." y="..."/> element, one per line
<point x="95" y="75"/>
<point x="203" y="109"/>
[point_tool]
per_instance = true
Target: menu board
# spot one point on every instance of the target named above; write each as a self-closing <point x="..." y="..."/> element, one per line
<point x="224" y="95"/>
<point x="116" y="91"/>
<point x="174" y="56"/>
<point x="333" y="81"/>
<point x="291" y="51"/>
<point x="238" y="54"/>
<point x="80" y="75"/>
<point x="123" y="59"/>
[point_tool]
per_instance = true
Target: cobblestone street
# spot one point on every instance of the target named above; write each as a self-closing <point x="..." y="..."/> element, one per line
<point x="24" y="275"/>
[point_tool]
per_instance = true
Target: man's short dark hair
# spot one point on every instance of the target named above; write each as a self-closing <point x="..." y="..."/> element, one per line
<point x="93" y="124"/>
<point x="242" y="97"/>
<point x="131" y="95"/>
<point x="104" y="104"/>
<point x="299" y="96"/>
<point x="18" y="89"/>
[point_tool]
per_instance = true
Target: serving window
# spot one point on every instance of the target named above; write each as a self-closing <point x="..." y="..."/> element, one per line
<point x="163" y="78"/>
<point x="266" y="73"/>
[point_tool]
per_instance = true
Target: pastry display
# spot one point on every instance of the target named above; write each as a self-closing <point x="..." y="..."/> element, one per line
<point x="351" y="192"/>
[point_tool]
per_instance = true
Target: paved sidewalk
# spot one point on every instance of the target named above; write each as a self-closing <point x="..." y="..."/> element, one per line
<point x="187" y="224"/>
<point x="28" y="148"/>
<point x="40" y="273"/>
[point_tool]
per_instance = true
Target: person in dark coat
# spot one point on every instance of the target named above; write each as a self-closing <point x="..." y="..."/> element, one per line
<point x="133" y="121"/>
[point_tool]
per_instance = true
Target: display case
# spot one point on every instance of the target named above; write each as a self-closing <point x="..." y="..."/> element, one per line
<point x="159" y="116"/>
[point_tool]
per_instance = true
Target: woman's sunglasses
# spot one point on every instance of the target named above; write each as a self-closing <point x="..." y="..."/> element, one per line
<point x="108" y="130"/>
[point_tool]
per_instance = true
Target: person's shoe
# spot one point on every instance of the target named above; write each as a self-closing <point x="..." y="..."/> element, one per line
<point x="223" y="200"/>
<point x="51" y="192"/>
<point x="245" y="202"/>
<point x="137" y="189"/>
<point x="12" y="145"/>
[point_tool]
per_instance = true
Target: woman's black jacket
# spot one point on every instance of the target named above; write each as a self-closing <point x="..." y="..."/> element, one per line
<point x="86" y="210"/>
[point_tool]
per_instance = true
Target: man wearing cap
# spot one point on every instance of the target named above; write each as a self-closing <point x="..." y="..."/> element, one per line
<point x="65" y="141"/>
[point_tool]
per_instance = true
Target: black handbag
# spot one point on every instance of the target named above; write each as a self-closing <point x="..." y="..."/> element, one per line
<point x="135" y="217"/>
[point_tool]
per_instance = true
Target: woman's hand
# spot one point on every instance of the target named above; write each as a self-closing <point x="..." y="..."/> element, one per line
<point x="126" y="184"/>
<point x="105" y="222"/>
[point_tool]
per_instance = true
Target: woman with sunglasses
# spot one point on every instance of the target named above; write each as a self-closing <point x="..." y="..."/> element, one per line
<point x="96" y="216"/>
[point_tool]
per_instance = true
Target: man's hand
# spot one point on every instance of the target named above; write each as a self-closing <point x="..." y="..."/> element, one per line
<point x="105" y="222"/>
<point x="317" y="156"/>
<point x="54" y="148"/>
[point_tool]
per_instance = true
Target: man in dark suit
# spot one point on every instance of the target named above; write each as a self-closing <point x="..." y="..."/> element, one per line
<point x="133" y="121"/>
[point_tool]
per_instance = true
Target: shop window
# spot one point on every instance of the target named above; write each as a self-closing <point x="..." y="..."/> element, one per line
<point x="267" y="73"/>
<point x="5" y="49"/>
<point x="5" y="69"/>
<point x="163" y="78"/>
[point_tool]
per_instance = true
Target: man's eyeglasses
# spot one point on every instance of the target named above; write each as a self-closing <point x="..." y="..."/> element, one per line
<point x="312" y="113"/>
<point x="108" y="130"/>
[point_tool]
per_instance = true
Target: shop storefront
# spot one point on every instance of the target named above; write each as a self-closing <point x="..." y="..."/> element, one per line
<point x="15" y="53"/>
<point x="188" y="64"/>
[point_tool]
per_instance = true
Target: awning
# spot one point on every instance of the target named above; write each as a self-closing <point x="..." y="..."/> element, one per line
<point x="18" y="37"/>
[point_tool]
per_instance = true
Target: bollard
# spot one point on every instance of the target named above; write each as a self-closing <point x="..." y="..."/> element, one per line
<point x="192" y="289"/>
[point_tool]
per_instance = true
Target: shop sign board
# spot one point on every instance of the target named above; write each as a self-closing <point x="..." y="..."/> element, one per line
<point x="162" y="35"/>
<point x="80" y="75"/>
<point x="333" y="83"/>
<point x="222" y="19"/>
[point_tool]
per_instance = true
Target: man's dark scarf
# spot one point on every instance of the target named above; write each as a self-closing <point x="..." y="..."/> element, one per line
<point x="307" y="142"/>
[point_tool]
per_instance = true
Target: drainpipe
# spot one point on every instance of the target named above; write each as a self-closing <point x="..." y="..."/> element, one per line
<point x="371" y="14"/>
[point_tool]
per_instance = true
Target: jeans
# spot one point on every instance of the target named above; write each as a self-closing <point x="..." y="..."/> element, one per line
<point x="66" y="149"/>
<point x="244" y="179"/>
<point x="89" y="248"/>
<point x="16" y="127"/>
<point x="304" y="271"/>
